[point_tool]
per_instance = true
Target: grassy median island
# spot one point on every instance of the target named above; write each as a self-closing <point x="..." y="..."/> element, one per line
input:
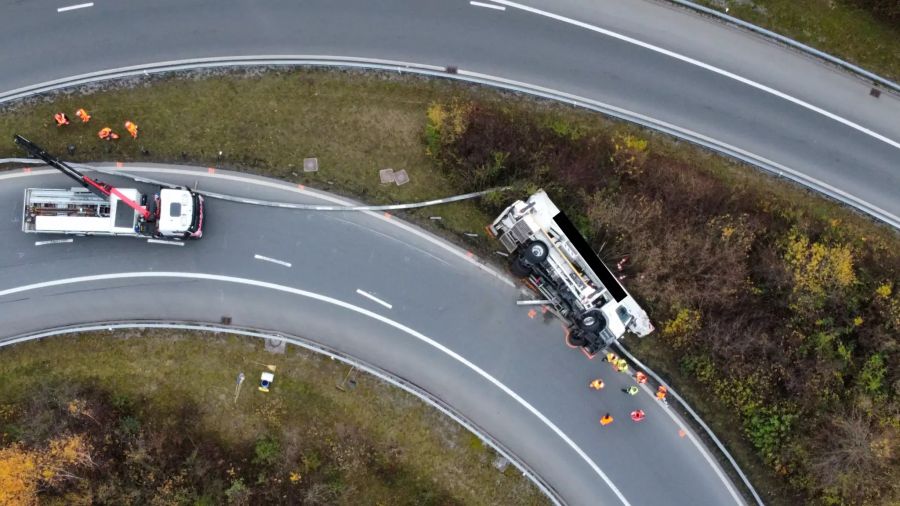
<point x="778" y="311"/>
<point x="150" y="418"/>
<point x="864" y="32"/>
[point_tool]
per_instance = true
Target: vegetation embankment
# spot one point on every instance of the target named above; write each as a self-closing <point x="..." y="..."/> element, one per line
<point x="151" y="418"/>
<point x="863" y="32"/>
<point x="778" y="311"/>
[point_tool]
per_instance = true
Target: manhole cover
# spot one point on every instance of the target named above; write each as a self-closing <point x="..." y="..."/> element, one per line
<point x="401" y="177"/>
<point x="275" y="346"/>
<point x="310" y="165"/>
<point x="386" y="176"/>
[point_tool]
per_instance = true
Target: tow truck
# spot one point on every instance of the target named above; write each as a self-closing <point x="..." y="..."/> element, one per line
<point x="98" y="208"/>
<point x="548" y="251"/>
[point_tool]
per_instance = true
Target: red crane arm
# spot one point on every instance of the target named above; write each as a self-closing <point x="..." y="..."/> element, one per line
<point x="107" y="190"/>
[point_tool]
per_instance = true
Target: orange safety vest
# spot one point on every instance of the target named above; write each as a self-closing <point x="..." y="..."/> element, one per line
<point x="104" y="133"/>
<point x="640" y="377"/>
<point x="597" y="384"/>
<point x="661" y="393"/>
<point x="132" y="129"/>
<point x="81" y="113"/>
<point x="61" y="119"/>
<point x="606" y="420"/>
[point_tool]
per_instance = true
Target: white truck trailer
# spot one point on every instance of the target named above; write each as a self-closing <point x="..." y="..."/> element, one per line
<point x="101" y="209"/>
<point x="546" y="248"/>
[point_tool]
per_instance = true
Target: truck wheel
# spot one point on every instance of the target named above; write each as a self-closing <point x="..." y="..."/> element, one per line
<point x="519" y="269"/>
<point x="576" y="338"/>
<point x="535" y="252"/>
<point x="591" y="320"/>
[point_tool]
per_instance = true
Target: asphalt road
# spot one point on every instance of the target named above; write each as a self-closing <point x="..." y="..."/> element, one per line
<point x="432" y="288"/>
<point x="733" y="87"/>
<point x="712" y="80"/>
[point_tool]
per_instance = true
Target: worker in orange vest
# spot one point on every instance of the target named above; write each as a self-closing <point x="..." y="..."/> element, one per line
<point x="640" y="377"/>
<point x="622" y="365"/>
<point x="597" y="384"/>
<point x="661" y="393"/>
<point x="637" y="415"/>
<point x="611" y="358"/>
<point x="132" y="129"/>
<point x="61" y="119"/>
<point x="81" y="113"/>
<point x="606" y="420"/>
<point x="107" y="134"/>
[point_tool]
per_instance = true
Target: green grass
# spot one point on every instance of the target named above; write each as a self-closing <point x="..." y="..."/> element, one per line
<point x="833" y="26"/>
<point x="166" y="370"/>
<point x="357" y="123"/>
<point x="266" y="123"/>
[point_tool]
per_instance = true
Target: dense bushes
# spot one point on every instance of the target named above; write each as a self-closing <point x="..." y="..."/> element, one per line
<point x="78" y="444"/>
<point x="789" y="319"/>
<point x="885" y="10"/>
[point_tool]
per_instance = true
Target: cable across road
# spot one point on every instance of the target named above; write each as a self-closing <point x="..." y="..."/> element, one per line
<point x="269" y="203"/>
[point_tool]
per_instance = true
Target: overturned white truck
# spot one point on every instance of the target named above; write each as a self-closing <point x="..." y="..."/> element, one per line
<point x="547" y="249"/>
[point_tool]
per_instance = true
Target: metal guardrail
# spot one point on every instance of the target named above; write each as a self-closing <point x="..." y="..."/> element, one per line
<point x="379" y="373"/>
<point x="696" y="418"/>
<point x="453" y="72"/>
<point x="875" y="78"/>
<point x="271" y="203"/>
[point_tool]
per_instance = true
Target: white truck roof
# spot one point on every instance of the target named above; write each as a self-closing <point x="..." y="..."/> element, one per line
<point x="176" y="211"/>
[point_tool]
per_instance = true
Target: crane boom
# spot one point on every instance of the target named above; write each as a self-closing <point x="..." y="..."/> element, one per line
<point x="99" y="188"/>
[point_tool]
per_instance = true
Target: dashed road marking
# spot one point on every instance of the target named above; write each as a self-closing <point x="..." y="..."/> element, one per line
<point x="73" y="7"/>
<point x="272" y="260"/>
<point x="55" y="241"/>
<point x="170" y="243"/>
<point x="488" y="6"/>
<point x="374" y="298"/>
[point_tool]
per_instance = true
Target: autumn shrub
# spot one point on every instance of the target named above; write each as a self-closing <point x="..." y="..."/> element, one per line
<point x="788" y="317"/>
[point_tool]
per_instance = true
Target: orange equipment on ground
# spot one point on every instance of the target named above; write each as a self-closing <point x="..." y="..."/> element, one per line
<point x="637" y="415"/>
<point x="606" y="420"/>
<point x="81" y="113"/>
<point x="597" y="384"/>
<point x="132" y="129"/>
<point x="107" y="134"/>
<point x="61" y="119"/>
<point x="661" y="393"/>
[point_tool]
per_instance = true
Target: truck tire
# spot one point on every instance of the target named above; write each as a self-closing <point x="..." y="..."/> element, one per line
<point x="519" y="268"/>
<point x="576" y="338"/>
<point x="591" y="320"/>
<point x="535" y="252"/>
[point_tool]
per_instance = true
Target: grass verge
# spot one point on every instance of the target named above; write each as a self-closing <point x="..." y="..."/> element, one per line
<point x="837" y="27"/>
<point x="168" y="429"/>
<point x="778" y="310"/>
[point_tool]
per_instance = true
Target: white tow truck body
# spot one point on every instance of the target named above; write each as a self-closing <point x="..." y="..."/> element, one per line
<point x="78" y="211"/>
<point x="547" y="249"/>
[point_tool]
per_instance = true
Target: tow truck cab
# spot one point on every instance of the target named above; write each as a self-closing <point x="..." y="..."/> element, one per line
<point x="180" y="214"/>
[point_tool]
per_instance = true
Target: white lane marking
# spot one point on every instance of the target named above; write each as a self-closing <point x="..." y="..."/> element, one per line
<point x="372" y="297"/>
<point x="705" y="66"/>
<point x="55" y="241"/>
<point x="273" y="260"/>
<point x="637" y="117"/>
<point x="700" y="447"/>
<point x="73" y="7"/>
<point x="170" y="243"/>
<point x="346" y="305"/>
<point x="489" y="6"/>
